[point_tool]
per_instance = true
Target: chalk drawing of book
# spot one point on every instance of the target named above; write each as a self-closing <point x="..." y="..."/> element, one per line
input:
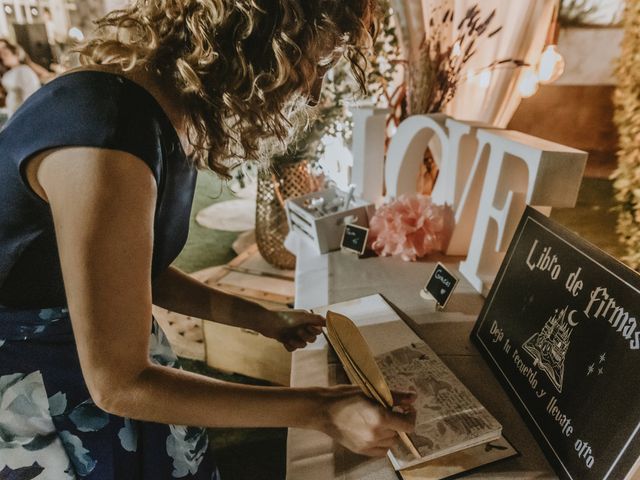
<point x="549" y="346"/>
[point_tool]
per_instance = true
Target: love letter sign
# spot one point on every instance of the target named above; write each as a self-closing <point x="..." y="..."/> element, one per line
<point x="487" y="176"/>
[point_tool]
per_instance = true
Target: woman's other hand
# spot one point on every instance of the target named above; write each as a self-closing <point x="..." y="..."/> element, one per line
<point x="362" y="425"/>
<point x="293" y="328"/>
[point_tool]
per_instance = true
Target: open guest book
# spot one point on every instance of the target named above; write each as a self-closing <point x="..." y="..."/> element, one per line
<point x="454" y="431"/>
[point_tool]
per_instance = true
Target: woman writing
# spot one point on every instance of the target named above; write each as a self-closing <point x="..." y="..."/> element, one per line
<point x="97" y="170"/>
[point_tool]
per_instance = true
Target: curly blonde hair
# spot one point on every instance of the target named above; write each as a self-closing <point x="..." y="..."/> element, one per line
<point x="237" y="65"/>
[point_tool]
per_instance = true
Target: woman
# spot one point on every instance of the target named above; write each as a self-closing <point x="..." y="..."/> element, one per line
<point x="94" y="168"/>
<point x="19" y="80"/>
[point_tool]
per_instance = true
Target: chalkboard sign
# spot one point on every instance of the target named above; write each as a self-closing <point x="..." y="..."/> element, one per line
<point x="441" y="285"/>
<point x="559" y="330"/>
<point x="354" y="238"/>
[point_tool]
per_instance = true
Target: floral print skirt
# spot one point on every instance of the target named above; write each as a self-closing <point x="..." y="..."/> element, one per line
<point x="51" y="430"/>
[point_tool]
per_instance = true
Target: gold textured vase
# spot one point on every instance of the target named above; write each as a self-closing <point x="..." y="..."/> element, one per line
<point x="274" y="187"/>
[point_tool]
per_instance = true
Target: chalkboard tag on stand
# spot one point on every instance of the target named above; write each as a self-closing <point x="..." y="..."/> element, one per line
<point x="440" y="286"/>
<point x="354" y="238"/>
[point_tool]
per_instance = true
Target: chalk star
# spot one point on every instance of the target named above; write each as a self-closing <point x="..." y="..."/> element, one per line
<point x="590" y="369"/>
<point x="600" y="371"/>
<point x="602" y="358"/>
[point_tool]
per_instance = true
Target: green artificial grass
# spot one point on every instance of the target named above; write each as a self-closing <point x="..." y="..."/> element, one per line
<point x="206" y="247"/>
<point x="593" y="217"/>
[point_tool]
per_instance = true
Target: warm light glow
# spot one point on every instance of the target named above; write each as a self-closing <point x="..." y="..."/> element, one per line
<point x="484" y="79"/>
<point x="76" y="34"/>
<point x="383" y="65"/>
<point x="551" y="64"/>
<point x="471" y="75"/>
<point x="456" y="50"/>
<point x="528" y="85"/>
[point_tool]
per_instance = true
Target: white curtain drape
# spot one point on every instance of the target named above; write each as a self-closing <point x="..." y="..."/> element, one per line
<point x="524" y="23"/>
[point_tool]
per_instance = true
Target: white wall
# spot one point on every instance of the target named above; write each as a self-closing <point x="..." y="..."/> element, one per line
<point x="590" y="55"/>
<point x="110" y="5"/>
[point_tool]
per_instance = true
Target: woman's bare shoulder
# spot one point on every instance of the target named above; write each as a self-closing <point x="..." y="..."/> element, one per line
<point x="100" y="168"/>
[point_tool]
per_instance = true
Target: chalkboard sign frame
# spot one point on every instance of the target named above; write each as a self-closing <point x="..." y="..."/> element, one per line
<point x="623" y="461"/>
<point x="430" y="285"/>
<point x="361" y="230"/>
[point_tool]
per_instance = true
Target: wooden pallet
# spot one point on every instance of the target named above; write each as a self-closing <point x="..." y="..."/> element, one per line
<point x="233" y="349"/>
<point x="245" y="276"/>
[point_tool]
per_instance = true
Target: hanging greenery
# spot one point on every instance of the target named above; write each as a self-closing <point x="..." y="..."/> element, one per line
<point x="627" y="119"/>
<point x="576" y="13"/>
<point x="332" y="116"/>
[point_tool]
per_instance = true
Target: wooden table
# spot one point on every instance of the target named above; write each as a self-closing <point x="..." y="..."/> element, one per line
<point x="338" y="277"/>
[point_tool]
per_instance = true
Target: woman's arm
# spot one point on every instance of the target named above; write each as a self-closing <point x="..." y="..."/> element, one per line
<point x="103" y="209"/>
<point x="178" y="292"/>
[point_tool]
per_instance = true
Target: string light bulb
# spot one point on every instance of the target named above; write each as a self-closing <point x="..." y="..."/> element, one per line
<point x="551" y="65"/>
<point x="76" y="34"/>
<point x="528" y="84"/>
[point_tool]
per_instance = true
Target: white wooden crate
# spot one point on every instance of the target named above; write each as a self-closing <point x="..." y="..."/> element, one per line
<point x="325" y="232"/>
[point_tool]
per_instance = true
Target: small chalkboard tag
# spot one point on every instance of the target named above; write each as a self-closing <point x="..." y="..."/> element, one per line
<point x="441" y="285"/>
<point x="354" y="238"/>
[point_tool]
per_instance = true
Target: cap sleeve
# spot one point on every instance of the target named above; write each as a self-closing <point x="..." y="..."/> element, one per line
<point x="87" y="109"/>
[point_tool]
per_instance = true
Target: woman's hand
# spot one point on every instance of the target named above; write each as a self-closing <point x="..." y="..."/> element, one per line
<point x="362" y="425"/>
<point x="293" y="328"/>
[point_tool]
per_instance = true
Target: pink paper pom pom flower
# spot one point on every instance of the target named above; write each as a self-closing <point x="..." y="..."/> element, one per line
<point x="411" y="227"/>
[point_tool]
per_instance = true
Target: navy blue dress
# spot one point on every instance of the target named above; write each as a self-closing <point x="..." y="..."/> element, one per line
<point x="49" y="426"/>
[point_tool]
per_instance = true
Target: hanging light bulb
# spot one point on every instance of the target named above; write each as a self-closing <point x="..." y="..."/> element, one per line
<point x="528" y="85"/>
<point x="76" y="34"/>
<point x="551" y="64"/>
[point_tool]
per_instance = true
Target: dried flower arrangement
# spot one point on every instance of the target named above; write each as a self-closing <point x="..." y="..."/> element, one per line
<point x="432" y="80"/>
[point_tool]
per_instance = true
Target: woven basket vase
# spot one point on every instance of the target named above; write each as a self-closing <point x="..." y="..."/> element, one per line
<point x="274" y="187"/>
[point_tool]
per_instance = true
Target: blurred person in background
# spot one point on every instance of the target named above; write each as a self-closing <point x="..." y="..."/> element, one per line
<point x="19" y="81"/>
